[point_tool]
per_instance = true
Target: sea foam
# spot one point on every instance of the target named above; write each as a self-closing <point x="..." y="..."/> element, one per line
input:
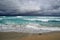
<point x="28" y="28"/>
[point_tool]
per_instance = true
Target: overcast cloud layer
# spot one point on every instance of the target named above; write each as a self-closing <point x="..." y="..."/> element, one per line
<point x="29" y="7"/>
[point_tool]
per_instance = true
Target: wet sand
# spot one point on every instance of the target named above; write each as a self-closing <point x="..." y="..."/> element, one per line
<point x="12" y="35"/>
<point x="26" y="36"/>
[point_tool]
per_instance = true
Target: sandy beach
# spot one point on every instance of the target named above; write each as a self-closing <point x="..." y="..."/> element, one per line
<point x="26" y="36"/>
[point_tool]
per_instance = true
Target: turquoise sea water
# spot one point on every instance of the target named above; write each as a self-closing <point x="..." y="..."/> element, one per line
<point x="44" y="21"/>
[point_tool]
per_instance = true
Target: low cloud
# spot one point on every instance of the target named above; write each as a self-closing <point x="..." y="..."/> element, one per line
<point x="44" y="7"/>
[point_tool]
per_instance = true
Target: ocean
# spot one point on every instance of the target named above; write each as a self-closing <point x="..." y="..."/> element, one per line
<point x="30" y="24"/>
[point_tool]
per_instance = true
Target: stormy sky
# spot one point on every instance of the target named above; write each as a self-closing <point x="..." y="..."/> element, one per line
<point x="30" y="7"/>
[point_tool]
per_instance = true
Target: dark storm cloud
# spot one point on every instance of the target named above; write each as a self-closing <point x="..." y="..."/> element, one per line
<point x="29" y="7"/>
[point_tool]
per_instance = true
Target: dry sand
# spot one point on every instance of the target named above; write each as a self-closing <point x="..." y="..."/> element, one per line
<point x="26" y="36"/>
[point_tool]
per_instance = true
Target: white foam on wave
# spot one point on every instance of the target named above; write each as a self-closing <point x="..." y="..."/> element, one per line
<point x="51" y="28"/>
<point x="44" y="20"/>
<point x="37" y="27"/>
<point x="19" y="16"/>
<point x="31" y="28"/>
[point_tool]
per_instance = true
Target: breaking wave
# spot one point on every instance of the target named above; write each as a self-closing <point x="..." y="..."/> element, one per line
<point x="28" y="28"/>
<point x="33" y="18"/>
